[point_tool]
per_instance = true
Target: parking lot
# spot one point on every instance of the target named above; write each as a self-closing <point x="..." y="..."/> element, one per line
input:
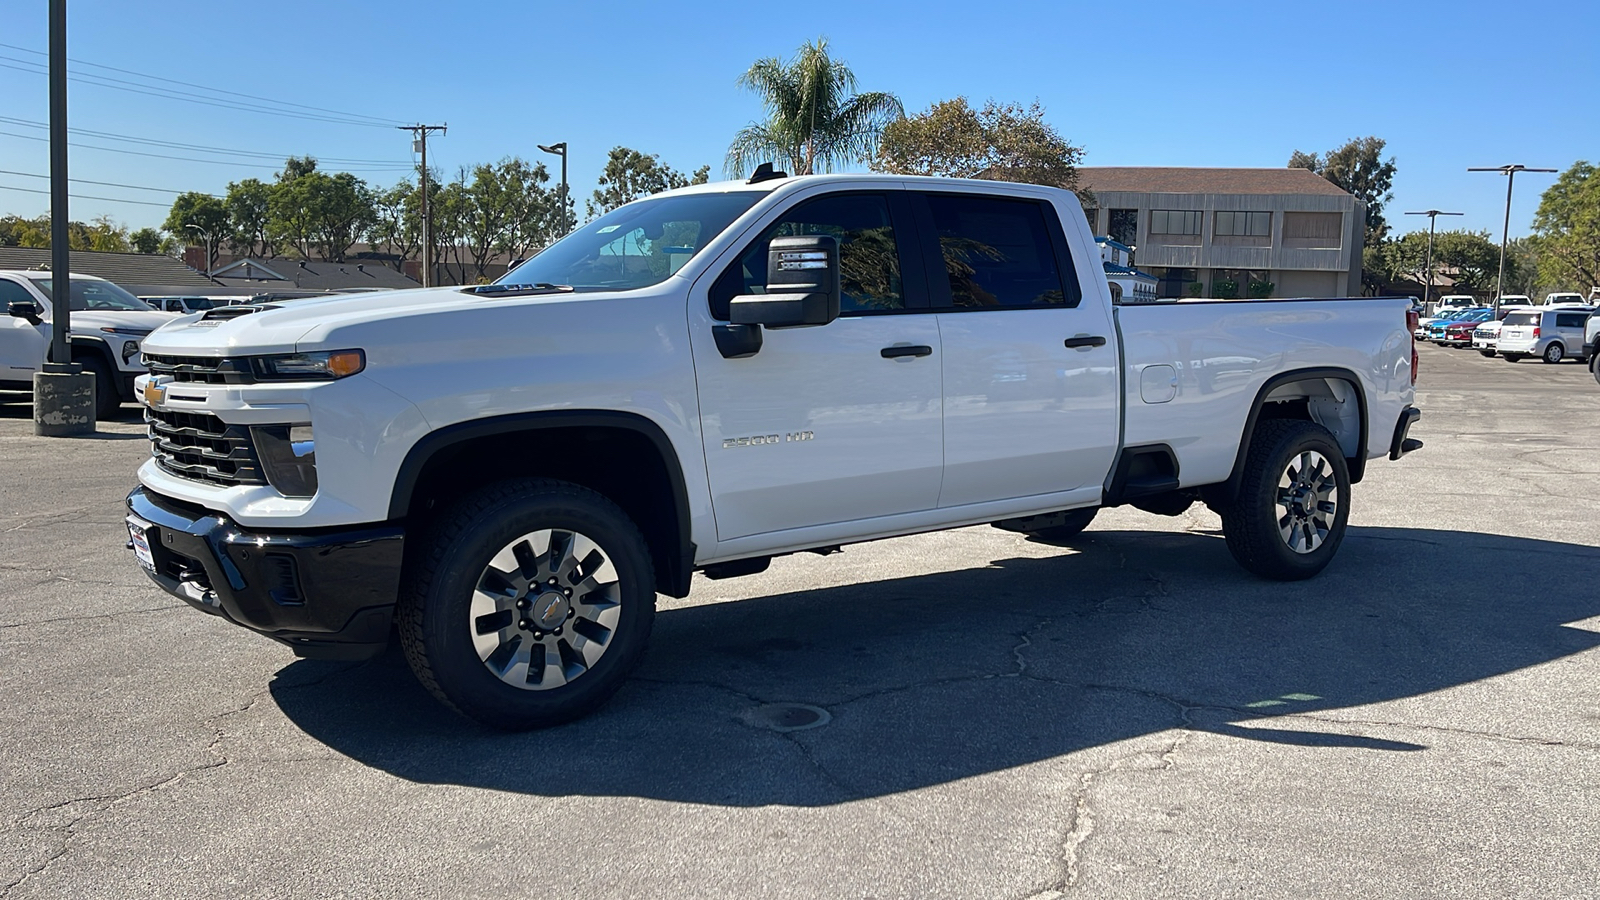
<point x="1128" y="716"/>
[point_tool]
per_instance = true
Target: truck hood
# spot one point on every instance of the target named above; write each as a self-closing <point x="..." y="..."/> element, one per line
<point x="85" y="321"/>
<point x="290" y="325"/>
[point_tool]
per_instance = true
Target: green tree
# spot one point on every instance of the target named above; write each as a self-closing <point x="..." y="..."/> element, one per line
<point x="105" y="236"/>
<point x="249" y="217"/>
<point x="814" y="118"/>
<point x="145" y="240"/>
<point x="316" y="213"/>
<point x="1567" y="227"/>
<point x="1007" y="142"/>
<point x="1469" y="258"/>
<point x="503" y="209"/>
<point x="397" y="222"/>
<point x="1357" y="167"/>
<point x="207" y="214"/>
<point x="629" y="175"/>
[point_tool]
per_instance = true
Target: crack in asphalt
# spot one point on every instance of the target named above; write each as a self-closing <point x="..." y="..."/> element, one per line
<point x="103" y="803"/>
<point x="92" y="617"/>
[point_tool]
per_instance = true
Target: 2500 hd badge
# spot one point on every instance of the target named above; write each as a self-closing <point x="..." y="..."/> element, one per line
<point x="754" y="440"/>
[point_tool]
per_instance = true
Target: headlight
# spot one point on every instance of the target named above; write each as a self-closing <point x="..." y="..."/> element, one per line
<point x="124" y="329"/>
<point x="288" y="455"/>
<point x="130" y="349"/>
<point x="325" y="365"/>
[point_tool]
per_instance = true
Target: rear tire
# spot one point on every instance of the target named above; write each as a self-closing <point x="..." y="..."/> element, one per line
<point x="1076" y="521"/>
<point x="1554" y="353"/>
<point x="1511" y="357"/>
<point x="1289" y="517"/>
<point x="528" y="604"/>
<point x="106" y="399"/>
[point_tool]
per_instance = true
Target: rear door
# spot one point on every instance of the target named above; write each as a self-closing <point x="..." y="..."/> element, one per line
<point x="832" y="423"/>
<point x="1569" y="329"/>
<point x="1030" y="367"/>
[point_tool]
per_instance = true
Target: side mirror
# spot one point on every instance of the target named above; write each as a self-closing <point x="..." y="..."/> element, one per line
<point x="802" y="285"/>
<point x="25" y="309"/>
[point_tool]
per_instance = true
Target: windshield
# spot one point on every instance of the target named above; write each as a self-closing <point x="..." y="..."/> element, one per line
<point x="636" y="245"/>
<point x="98" y="295"/>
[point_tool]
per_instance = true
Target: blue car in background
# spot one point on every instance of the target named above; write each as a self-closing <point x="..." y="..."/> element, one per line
<point x="1435" y="331"/>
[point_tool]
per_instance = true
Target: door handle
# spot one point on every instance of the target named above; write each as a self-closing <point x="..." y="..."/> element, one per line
<point x="1082" y="341"/>
<point x="900" y="350"/>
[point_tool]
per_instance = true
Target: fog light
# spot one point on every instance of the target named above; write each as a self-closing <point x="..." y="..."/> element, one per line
<point x="289" y="457"/>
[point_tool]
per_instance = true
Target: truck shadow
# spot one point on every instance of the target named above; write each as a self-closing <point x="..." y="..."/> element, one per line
<point x="946" y="676"/>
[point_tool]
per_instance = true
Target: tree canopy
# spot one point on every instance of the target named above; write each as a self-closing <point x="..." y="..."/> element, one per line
<point x="1359" y="168"/>
<point x="1567" y="226"/>
<point x="629" y="175"/>
<point x="815" y="120"/>
<point x="1006" y="142"/>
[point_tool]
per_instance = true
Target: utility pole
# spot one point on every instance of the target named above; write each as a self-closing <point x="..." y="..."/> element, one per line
<point x="561" y="150"/>
<point x="1511" y="177"/>
<point x="1431" y="214"/>
<point x="63" y="394"/>
<point x="419" y="144"/>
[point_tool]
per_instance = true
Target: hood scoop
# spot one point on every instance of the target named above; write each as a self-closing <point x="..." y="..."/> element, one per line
<point x="219" y="314"/>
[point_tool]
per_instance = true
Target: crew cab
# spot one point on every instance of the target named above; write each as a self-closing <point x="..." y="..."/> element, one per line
<point x="107" y="325"/>
<point x="711" y="377"/>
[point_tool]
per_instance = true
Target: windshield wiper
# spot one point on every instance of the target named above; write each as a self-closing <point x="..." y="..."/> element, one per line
<point x="518" y="290"/>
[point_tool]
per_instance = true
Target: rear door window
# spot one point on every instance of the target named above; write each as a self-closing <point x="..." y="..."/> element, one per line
<point x="999" y="253"/>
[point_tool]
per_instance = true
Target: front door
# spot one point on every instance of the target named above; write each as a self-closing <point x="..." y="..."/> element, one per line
<point x="1030" y="363"/>
<point x="822" y="425"/>
<point x="23" y="345"/>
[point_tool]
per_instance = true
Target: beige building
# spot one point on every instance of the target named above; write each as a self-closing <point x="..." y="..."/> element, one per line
<point x="1231" y="232"/>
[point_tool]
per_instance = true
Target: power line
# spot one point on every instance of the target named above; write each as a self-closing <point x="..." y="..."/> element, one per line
<point x="375" y="119"/>
<point x="397" y="167"/>
<point x="169" y="94"/>
<point x="133" y="187"/>
<point x="202" y="148"/>
<point x="7" y="187"/>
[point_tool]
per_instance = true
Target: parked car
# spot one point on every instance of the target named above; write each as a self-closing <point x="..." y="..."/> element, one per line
<point x="1550" y="334"/>
<point x="1512" y="300"/>
<point x="108" y="324"/>
<point x="1564" y="298"/>
<point x="511" y="473"/>
<point x="1459" y="334"/>
<point x="1450" y="302"/>
<point x="1591" y="344"/>
<point x="1436" y="328"/>
<point x="185" y="305"/>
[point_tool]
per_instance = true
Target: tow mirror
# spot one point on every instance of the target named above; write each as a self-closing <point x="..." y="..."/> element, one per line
<point x="25" y="309"/>
<point x="802" y="290"/>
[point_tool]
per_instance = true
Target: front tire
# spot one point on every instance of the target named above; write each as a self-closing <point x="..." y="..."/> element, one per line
<point x="1594" y="364"/>
<point x="1511" y="357"/>
<point x="1554" y="353"/>
<point x="1289" y="516"/>
<point x="106" y="399"/>
<point x="528" y="604"/>
<point x="1486" y="353"/>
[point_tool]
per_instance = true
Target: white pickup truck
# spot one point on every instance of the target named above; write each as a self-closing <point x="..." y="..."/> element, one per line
<point x="711" y="377"/>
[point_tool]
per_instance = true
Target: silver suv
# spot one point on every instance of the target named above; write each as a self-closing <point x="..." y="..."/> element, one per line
<point x="1551" y="334"/>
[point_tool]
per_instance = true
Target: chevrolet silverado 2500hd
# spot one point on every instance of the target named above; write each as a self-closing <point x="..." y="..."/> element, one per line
<point x="701" y="380"/>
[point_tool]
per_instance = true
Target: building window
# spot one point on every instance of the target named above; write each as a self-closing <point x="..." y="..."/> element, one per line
<point x="1174" y="221"/>
<point x="1313" y="230"/>
<point x="1123" y="226"/>
<point x="1244" y="224"/>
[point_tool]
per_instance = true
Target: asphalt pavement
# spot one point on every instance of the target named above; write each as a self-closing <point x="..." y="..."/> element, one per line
<point x="1128" y="715"/>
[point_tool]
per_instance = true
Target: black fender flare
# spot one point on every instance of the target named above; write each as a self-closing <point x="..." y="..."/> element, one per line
<point x="1357" y="465"/>
<point x="416" y="460"/>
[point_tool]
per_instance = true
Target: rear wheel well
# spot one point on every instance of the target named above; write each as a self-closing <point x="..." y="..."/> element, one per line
<point x="1331" y="398"/>
<point x="624" y="464"/>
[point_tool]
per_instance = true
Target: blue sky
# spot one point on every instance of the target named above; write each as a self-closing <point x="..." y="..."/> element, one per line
<point x="1448" y="85"/>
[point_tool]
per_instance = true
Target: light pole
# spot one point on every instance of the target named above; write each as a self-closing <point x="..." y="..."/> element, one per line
<point x="207" y="235"/>
<point x="1510" y="172"/>
<point x="1431" y="214"/>
<point x="561" y="151"/>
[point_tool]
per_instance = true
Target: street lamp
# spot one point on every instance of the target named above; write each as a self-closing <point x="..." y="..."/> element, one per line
<point x="207" y="235"/>
<point x="561" y="151"/>
<point x="1431" y="214"/>
<point x="1511" y="177"/>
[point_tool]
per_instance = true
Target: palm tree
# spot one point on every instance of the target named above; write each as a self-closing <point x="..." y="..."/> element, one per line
<point x="814" y="117"/>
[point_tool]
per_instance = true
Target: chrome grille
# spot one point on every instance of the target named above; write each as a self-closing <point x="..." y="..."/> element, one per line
<point x="202" y="447"/>
<point x="203" y="369"/>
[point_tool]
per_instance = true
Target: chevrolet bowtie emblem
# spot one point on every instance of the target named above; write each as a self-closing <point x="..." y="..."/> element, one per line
<point x="154" y="393"/>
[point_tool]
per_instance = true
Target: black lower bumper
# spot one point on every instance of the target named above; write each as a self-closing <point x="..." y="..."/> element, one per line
<point x="1400" y="445"/>
<point x="327" y="593"/>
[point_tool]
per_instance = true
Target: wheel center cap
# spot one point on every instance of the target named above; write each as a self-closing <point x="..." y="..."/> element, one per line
<point x="550" y="609"/>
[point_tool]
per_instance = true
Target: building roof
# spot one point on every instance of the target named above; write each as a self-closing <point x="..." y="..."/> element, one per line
<point x="309" y="275"/>
<point x="1112" y="242"/>
<point x="134" y="272"/>
<point x="1177" y="180"/>
<point x="1114" y="269"/>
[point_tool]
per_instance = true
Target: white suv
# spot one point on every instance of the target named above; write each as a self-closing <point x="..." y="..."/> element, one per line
<point x="1551" y="334"/>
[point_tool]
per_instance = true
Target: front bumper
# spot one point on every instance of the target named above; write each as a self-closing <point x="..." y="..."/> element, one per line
<point x="327" y="593"/>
